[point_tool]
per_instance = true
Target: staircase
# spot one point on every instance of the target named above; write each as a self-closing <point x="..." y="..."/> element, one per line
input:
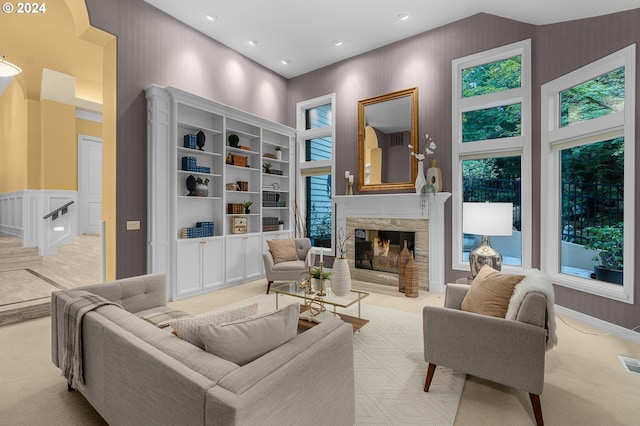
<point x="14" y="256"/>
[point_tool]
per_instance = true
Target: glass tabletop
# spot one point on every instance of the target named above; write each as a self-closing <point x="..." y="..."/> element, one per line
<point x="293" y="289"/>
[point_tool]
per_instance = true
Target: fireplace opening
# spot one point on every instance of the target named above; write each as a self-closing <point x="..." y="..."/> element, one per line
<point x="378" y="250"/>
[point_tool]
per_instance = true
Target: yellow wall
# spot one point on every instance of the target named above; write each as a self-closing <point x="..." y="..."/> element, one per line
<point x="38" y="138"/>
<point x="89" y="128"/>
<point x="13" y="139"/>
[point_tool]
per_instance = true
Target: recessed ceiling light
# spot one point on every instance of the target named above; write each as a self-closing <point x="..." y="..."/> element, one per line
<point x="253" y="42"/>
<point x="285" y="61"/>
<point x="337" y="43"/>
<point x="403" y="16"/>
<point x="212" y="17"/>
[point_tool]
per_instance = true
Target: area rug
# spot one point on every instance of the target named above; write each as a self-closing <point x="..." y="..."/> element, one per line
<point x="390" y="369"/>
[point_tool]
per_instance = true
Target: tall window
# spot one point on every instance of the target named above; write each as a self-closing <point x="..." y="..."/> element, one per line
<point x="588" y="209"/>
<point x="316" y="129"/>
<point x="491" y="147"/>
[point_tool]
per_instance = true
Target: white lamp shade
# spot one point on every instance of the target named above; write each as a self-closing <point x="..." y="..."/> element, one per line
<point x="487" y="218"/>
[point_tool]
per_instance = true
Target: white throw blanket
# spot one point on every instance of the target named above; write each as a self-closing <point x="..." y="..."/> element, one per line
<point x="536" y="281"/>
<point x="74" y="311"/>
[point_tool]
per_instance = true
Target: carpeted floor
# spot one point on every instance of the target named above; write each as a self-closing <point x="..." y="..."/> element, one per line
<point x="584" y="381"/>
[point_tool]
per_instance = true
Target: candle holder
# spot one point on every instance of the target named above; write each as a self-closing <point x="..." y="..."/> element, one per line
<point x="348" y="181"/>
<point x="321" y="289"/>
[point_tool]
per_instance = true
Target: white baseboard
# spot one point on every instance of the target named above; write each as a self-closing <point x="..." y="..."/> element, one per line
<point x="625" y="333"/>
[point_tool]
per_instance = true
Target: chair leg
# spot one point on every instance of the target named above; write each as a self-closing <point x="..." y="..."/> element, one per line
<point x="269" y="285"/>
<point x="537" y="408"/>
<point x="430" y="371"/>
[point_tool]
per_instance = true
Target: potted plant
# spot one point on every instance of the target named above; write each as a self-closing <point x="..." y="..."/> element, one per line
<point x="201" y="189"/>
<point x="280" y="225"/>
<point x="267" y="167"/>
<point x="316" y="283"/>
<point x="233" y="140"/>
<point x="608" y="241"/>
<point x="247" y="207"/>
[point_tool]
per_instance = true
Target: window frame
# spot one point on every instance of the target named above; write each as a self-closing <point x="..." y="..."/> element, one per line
<point x="554" y="138"/>
<point x="317" y="167"/>
<point x="503" y="147"/>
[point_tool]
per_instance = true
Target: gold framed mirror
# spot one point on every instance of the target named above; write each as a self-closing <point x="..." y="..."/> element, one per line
<point x="387" y="125"/>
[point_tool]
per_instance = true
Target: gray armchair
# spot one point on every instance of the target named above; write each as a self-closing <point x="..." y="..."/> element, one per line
<point x="289" y="270"/>
<point x="509" y="352"/>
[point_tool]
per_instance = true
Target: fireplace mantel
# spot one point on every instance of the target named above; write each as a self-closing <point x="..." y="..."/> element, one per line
<point x="400" y="206"/>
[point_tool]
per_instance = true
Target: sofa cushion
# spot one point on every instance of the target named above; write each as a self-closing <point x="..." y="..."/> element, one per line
<point x="282" y="250"/>
<point x="187" y="328"/>
<point x="245" y="340"/>
<point x="490" y="292"/>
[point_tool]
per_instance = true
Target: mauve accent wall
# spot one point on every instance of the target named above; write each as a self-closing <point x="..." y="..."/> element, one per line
<point x="425" y="61"/>
<point x="154" y="48"/>
<point x="562" y="48"/>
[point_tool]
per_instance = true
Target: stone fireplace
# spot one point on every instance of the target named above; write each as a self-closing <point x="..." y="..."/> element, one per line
<point x="385" y="274"/>
<point x="402" y="213"/>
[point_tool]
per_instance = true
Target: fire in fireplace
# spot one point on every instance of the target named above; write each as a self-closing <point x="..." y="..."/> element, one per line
<point x="378" y="250"/>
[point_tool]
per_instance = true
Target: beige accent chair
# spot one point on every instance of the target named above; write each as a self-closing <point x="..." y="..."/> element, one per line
<point x="289" y="270"/>
<point x="508" y="352"/>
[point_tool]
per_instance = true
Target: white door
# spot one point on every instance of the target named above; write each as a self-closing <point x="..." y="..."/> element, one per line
<point x="89" y="184"/>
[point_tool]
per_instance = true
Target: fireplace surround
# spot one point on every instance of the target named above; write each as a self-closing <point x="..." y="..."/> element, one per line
<point x="398" y="212"/>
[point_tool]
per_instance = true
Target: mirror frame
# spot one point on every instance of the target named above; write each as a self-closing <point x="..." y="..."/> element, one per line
<point x="413" y="93"/>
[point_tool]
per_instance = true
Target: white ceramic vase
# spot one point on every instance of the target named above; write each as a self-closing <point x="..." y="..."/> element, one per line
<point x="420" y="179"/>
<point x="340" y="277"/>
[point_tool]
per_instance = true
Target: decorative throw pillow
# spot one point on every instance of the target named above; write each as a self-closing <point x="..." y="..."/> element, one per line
<point x="187" y="328"/>
<point x="283" y="250"/>
<point x="245" y="340"/>
<point x="490" y="292"/>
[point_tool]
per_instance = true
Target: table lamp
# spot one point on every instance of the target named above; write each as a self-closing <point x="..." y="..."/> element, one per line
<point x="486" y="219"/>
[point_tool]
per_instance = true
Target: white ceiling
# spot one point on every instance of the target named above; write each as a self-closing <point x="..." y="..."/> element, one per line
<point x="303" y="32"/>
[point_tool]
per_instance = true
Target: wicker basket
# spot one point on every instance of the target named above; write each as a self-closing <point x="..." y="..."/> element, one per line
<point x="411" y="274"/>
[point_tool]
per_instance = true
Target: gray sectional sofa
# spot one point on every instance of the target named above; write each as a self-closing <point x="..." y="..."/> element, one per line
<point x="137" y="374"/>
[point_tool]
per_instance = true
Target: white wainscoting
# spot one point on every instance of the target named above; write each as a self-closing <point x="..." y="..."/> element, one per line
<point x="22" y="212"/>
<point x="398" y="206"/>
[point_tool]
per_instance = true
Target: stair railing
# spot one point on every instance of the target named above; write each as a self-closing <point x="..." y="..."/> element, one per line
<point x="59" y="211"/>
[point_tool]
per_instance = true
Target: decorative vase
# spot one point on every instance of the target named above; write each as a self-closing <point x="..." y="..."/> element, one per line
<point x="411" y="273"/>
<point x="191" y="184"/>
<point x="340" y="277"/>
<point x="201" y="190"/>
<point x="200" y="140"/>
<point x="278" y="154"/>
<point x="434" y="177"/>
<point x="420" y="179"/>
<point x="403" y="258"/>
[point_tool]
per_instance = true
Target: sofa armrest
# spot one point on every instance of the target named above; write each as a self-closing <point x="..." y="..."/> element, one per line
<point x="268" y="260"/>
<point x="496" y="349"/>
<point x="533" y="309"/>
<point x="454" y="294"/>
<point x="314" y="370"/>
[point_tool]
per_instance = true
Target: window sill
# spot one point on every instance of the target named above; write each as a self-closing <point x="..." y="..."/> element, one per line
<point x="621" y="293"/>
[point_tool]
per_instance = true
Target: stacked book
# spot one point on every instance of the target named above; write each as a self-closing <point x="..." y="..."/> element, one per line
<point x="207" y="228"/>
<point x="201" y="230"/>
<point x="270" y="223"/>
<point x="190" y="141"/>
<point x="235" y="208"/>
<point x="189" y="164"/>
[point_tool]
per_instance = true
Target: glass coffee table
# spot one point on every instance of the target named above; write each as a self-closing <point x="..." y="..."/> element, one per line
<point x="309" y="320"/>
